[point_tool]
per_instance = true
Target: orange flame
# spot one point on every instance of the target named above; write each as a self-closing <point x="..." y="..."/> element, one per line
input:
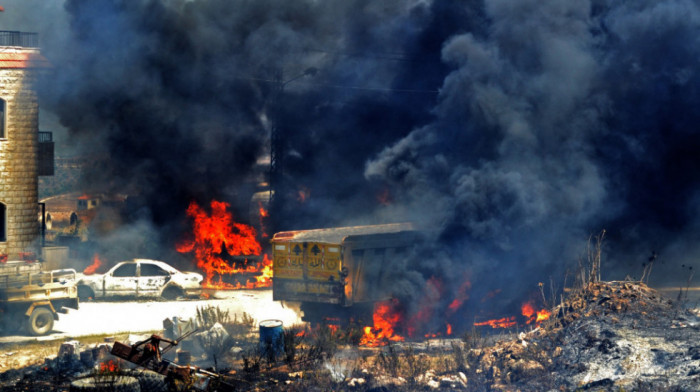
<point x="109" y="366"/>
<point x="92" y="268"/>
<point x="303" y="194"/>
<point x="537" y="317"/>
<point x="462" y="297"/>
<point x="527" y="310"/>
<point x="264" y="214"/>
<point x="385" y="318"/>
<point x="505" y="322"/>
<point x="216" y="235"/>
<point x="265" y="277"/>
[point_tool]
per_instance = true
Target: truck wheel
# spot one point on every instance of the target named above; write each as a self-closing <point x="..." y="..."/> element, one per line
<point x="40" y="322"/>
<point x="85" y="293"/>
<point x="172" y="293"/>
<point x="106" y="383"/>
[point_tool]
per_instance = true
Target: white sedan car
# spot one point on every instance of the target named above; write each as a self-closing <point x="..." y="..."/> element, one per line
<point x="141" y="278"/>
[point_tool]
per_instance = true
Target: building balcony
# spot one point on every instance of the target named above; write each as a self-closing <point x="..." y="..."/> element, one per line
<point x="20" y="39"/>
<point x="46" y="154"/>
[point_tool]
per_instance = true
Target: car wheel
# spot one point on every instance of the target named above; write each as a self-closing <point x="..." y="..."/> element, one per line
<point x="172" y="293"/>
<point x="85" y="293"/>
<point x="40" y="322"/>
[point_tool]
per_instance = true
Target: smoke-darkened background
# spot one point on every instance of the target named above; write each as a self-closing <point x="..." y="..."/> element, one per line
<point x="512" y="129"/>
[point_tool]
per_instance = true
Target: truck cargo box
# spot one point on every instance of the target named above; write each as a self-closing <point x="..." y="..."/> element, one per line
<point x="341" y="266"/>
<point x="31" y="297"/>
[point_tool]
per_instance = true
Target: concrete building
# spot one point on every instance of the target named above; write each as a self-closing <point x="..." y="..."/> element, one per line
<point x="25" y="153"/>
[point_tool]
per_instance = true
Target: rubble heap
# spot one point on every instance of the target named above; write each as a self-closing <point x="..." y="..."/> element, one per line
<point x="605" y="336"/>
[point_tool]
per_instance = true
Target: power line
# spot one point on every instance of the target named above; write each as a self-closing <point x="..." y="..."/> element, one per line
<point x="338" y="86"/>
<point x="379" y="56"/>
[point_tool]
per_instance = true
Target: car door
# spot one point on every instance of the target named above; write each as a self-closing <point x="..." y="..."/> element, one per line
<point x="122" y="281"/>
<point x="152" y="279"/>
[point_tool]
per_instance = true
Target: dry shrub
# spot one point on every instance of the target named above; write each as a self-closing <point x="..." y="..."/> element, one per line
<point x="209" y="315"/>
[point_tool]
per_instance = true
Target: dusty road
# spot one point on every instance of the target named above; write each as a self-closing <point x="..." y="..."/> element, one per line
<point x="140" y="316"/>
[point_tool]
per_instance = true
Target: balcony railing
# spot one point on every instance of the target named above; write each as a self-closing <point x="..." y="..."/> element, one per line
<point x="46" y="154"/>
<point x="45" y="137"/>
<point x="17" y="38"/>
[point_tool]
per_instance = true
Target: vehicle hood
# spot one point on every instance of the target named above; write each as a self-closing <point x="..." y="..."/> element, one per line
<point x="85" y="279"/>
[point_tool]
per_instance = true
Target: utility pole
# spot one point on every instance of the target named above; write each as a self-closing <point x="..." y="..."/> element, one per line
<point x="278" y="147"/>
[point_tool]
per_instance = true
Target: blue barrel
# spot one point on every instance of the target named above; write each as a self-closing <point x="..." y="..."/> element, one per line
<point x="271" y="339"/>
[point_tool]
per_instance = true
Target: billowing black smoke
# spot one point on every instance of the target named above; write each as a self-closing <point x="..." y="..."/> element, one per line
<point x="563" y="118"/>
<point x="179" y="97"/>
<point x="511" y="130"/>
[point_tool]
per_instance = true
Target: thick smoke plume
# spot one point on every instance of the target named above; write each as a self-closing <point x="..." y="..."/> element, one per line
<point x="510" y="130"/>
<point x="558" y="120"/>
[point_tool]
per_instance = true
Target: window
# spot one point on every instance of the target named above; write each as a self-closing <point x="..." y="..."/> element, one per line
<point x="152" y="270"/>
<point x="3" y="222"/>
<point x="3" y="112"/>
<point x="126" y="270"/>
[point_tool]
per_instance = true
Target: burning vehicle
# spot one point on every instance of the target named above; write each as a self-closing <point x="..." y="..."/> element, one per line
<point x="141" y="278"/>
<point x="338" y="272"/>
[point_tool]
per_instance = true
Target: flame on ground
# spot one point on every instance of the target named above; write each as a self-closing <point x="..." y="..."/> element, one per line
<point x="385" y="319"/>
<point x="537" y="317"/>
<point x="109" y="367"/>
<point x="92" y="268"/>
<point x="505" y="322"/>
<point x="216" y="235"/>
<point x="527" y="310"/>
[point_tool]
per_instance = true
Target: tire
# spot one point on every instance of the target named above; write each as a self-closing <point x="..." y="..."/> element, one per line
<point x="85" y="293"/>
<point x="116" y="384"/>
<point x="150" y="381"/>
<point x="172" y="293"/>
<point x="40" y="322"/>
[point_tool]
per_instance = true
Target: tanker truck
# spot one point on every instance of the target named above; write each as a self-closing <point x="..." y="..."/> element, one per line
<point x="339" y="273"/>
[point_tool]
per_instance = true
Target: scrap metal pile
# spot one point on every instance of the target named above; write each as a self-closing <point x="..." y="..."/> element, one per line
<point x="605" y="336"/>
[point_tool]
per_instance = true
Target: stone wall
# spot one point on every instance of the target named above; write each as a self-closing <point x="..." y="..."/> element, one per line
<point x="18" y="161"/>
